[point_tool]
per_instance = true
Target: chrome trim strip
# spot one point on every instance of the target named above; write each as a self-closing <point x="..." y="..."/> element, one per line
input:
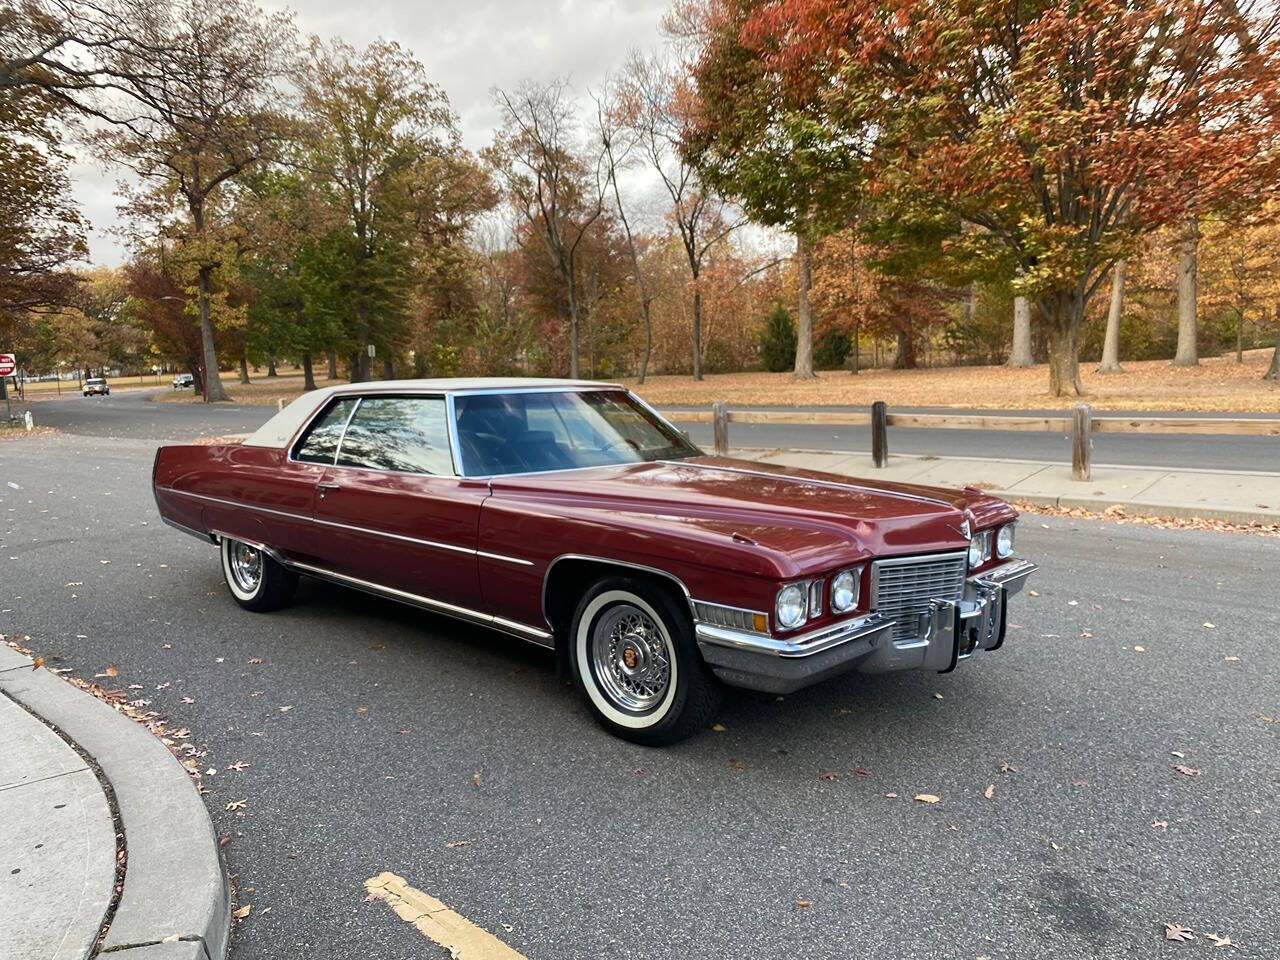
<point x="546" y="575"/>
<point x="453" y="610"/>
<point x="821" y="483"/>
<point x="233" y="503"/>
<point x="505" y="559"/>
<point x="345" y="526"/>
<point x="207" y="538"/>
<point x="273" y="554"/>
<point x="805" y="645"/>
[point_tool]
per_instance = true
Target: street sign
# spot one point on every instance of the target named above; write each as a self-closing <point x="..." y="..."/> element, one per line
<point x="7" y="365"/>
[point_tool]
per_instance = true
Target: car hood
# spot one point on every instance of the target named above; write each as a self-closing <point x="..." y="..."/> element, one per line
<point x="803" y="520"/>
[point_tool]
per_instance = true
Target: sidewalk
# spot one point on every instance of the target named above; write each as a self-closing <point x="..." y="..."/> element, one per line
<point x="62" y="816"/>
<point x="1232" y="496"/>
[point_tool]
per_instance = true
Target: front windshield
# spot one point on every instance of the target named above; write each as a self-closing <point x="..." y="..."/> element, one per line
<point x="537" y="431"/>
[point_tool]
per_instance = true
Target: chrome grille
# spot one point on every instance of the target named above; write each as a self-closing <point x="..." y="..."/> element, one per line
<point x="902" y="588"/>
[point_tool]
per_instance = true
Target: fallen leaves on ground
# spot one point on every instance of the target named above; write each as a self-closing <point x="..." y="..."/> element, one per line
<point x="237" y="766"/>
<point x="826" y="775"/>
<point x="803" y="904"/>
<point x="475" y="779"/>
<point x="37" y="663"/>
<point x="109" y="672"/>
<point x="719" y="727"/>
<point x="1186" y="771"/>
<point x="237" y="804"/>
<point x="990" y="791"/>
<point x="454" y="844"/>
<point x="1176" y="931"/>
<point x="1221" y="941"/>
<point x="1008" y="767"/>
<point x="1216" y="384"/>
<point x="1119" y="516"/>
<point x="927" y="798"/>
<point x="1159" y="824"/>
<point x="242" y="912"/>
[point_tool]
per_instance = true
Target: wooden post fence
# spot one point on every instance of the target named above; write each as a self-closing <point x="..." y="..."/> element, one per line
<point x="1081" y="442"/>
<point x="720" y="427"/>
<point x="880" y="433"/>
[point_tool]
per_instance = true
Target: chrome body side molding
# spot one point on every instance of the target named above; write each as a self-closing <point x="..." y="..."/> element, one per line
<point x="522" y="630"/>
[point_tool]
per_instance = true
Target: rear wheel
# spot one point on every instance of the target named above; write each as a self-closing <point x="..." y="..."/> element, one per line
<point x="256" y="581"/>
<point x="635" y="659"/>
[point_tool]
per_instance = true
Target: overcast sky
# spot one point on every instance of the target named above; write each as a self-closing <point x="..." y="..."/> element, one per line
<point x="468" y="47"/>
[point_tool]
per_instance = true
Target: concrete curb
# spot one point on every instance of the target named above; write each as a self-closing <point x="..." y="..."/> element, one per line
<point x="176" y="901"/>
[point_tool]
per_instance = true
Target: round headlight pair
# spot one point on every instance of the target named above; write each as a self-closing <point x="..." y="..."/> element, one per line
<point x="844" y="591"/>
<point x="790" y="607"/>
<point x="1004" y="541"/>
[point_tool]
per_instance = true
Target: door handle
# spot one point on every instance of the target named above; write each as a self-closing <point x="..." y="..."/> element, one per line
<point x="323" y="487"/>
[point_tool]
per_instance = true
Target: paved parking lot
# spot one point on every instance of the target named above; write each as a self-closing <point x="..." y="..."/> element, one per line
<point x="375" y="738"/>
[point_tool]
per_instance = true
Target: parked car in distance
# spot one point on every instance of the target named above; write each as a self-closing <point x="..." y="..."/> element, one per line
<point x="183" y="380"/>
<point x="96" y="385"/>
<point x="572" y="515"/>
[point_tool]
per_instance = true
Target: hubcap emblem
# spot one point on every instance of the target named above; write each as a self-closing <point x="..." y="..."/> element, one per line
<point x="629" y="657"/>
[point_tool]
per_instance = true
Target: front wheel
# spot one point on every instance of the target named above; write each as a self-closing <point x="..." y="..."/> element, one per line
<point x="635" y="659"/>
<point x="256" y="581"/>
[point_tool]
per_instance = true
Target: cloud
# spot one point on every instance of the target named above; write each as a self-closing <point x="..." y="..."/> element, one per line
<point x="468" y="48"/>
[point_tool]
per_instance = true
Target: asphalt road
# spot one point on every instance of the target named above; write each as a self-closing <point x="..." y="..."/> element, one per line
<point x="131" y="414"/>
<point x="376" y="736"/>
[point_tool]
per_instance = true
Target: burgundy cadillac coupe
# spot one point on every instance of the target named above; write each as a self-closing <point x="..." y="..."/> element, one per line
<point x="572" y="515"/>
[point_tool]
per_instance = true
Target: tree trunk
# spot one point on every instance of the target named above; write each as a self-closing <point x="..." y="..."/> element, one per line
<point x="1020" y="350"/>
<point x="804" y="315"/>
<point x="648" y="340"/>
<point x="1273" y="371"/>
<point x="697" y="330"/>
<point x="244" y="369"/>
<point x="1111" y="342"/>
<point x="388" y="369"/>
<point x="905" y="357"/>
<point x="1188" y="354"/>
<point x="308" y="375"/>
<point x="332" y="356"/>
<point x="857" y="345"/>
<point x="360" y="368"/>
<point x="214" y="391"/>
<point x="1064" y="312"/>
<point x="271" y="362"/>
<point x="1239" y="337"/>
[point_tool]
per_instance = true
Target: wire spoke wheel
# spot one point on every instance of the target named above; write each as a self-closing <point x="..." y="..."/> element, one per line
<point x="246" y="566"/>
<point x="631" y="658"/>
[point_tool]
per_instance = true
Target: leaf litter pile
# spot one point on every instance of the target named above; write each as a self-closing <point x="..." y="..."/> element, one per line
<point x="1118" y="514"/>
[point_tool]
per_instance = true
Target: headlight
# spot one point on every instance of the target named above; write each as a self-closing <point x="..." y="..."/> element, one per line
<point x="1004" y="541"/>
<point x="789" y="609"/>
<point x="844" y="591"/>
<point x="979" y="548"/>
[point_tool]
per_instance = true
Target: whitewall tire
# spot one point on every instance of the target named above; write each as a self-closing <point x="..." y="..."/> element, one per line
<point x="256" y="581"/>
<point x="635" y="659"/>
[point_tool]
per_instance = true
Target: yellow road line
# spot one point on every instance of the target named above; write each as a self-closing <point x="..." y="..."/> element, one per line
<point x="448" y="928"/>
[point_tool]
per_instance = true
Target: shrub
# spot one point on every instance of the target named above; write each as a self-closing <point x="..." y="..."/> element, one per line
<point x="778" y="341"/>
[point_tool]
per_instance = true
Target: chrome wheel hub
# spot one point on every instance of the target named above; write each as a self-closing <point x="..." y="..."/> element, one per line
<point x="246" y="566"/>
<point x="631" y="658"/>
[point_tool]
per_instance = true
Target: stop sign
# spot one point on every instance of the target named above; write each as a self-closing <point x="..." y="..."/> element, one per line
<point x="7" y="365"/>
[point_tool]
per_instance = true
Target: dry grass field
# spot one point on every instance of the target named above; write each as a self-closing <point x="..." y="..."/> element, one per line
<point x="1219" y="384"/>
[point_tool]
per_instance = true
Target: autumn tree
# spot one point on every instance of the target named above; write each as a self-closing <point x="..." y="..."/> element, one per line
<point x="767" y="145"/>
<point x="1064" y="131"/>
<point x="555" y="183"/>
<point x="375" y="119"/>
<point x="655" y="102"/>
<point x="201" y="80"/>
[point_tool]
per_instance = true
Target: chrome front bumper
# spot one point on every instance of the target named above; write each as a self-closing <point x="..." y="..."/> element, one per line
<point x="954" y="632"/>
